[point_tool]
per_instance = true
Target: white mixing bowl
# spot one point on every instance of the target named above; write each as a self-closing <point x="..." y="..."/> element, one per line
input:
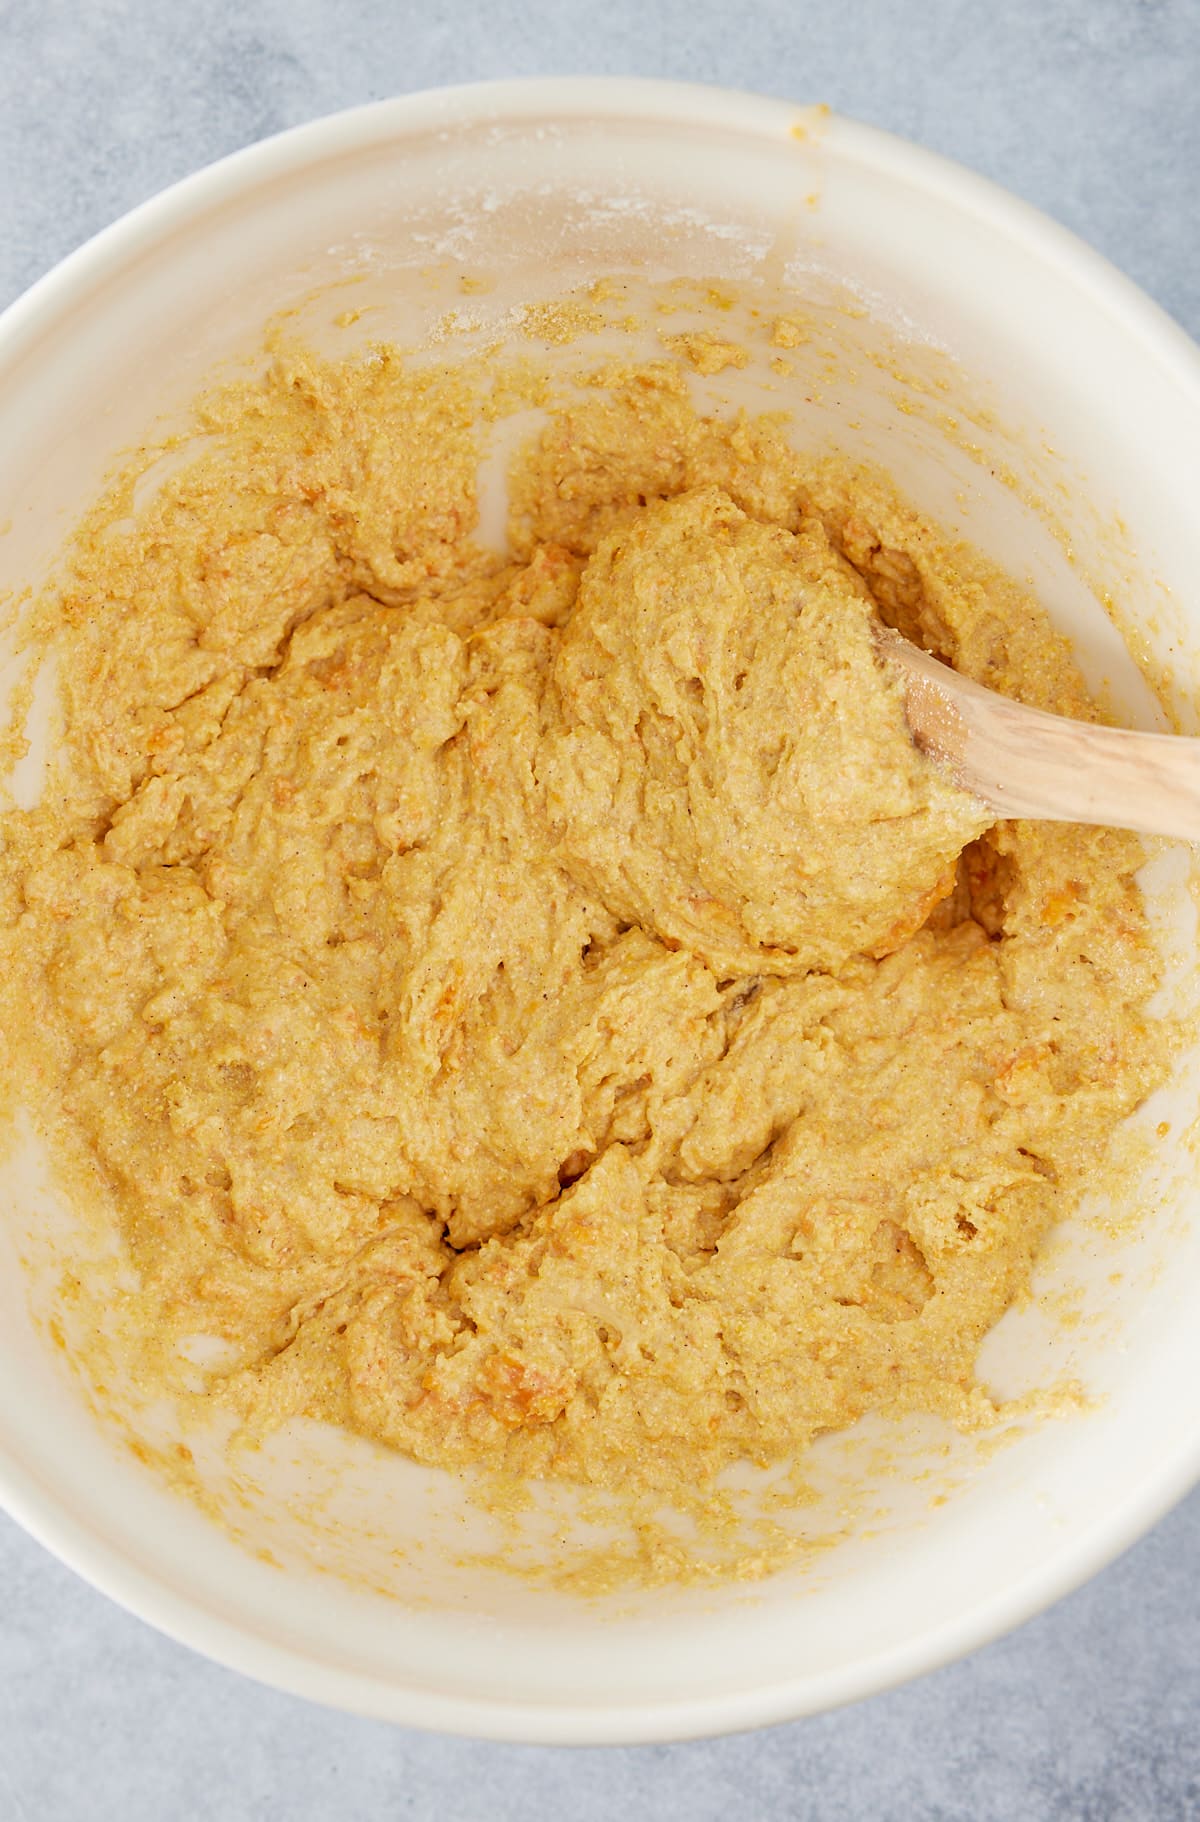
<point x="1074" y="405"/>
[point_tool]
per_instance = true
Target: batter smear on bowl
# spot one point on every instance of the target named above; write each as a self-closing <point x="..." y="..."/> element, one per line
<point x="538" y="1010"/>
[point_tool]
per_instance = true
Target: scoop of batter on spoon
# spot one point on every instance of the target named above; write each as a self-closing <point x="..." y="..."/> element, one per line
<point x="727" y="762"/>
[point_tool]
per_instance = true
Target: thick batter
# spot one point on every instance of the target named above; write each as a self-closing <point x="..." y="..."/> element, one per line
<point x="533" y="1008"/>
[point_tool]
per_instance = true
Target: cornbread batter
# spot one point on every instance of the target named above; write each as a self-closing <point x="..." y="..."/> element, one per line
<point x="727" y="762"/>
<point x="539" y="1010"/>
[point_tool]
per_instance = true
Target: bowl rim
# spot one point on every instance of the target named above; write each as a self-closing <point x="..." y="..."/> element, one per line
<point x="113" y="1570"/>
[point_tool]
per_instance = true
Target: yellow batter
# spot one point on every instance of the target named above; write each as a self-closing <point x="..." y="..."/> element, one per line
<point x="531" y="1007"/>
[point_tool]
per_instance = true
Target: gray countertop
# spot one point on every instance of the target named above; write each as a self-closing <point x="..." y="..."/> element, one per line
<point x="1086" y="107"/>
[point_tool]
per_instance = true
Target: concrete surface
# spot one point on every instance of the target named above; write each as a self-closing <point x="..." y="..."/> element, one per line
<point x="1086" y="107"/>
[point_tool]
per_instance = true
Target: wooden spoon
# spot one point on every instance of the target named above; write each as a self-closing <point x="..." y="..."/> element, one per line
<point x="1024" y="762"/>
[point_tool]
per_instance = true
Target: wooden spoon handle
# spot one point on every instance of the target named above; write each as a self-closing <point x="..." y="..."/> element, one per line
<point x="1023" y="762"/>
